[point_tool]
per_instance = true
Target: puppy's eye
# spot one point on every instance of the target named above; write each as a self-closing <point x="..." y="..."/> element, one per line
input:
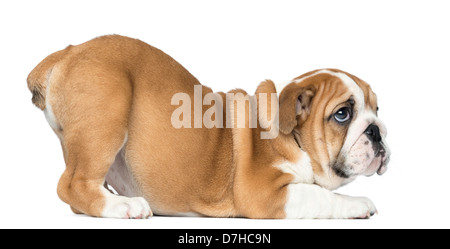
<point x="342" y="115"/>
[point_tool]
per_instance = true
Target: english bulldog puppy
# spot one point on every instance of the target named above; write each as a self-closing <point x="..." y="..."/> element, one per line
<point x="124" y="113"/>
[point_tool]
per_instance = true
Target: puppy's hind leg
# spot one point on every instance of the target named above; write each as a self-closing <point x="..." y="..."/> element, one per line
<point x="94" y="131"/>
<point x="82" y="186"/>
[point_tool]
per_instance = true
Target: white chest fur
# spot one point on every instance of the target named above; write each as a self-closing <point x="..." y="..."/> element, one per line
<point x="301" y="170"/>
<point x="308" y="200"/>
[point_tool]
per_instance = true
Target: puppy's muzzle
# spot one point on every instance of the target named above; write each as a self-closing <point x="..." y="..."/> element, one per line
<point x="373" y="133"/>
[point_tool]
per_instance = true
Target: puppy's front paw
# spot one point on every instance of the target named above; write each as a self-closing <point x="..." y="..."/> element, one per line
<point x="356" y="208"/>
<point x="364" y="208"/>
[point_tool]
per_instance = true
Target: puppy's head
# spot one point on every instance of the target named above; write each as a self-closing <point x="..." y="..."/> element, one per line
<point x="333" y="117"/>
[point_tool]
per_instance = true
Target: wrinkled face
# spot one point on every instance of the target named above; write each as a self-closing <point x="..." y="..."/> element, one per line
<point x="336" y="123"/>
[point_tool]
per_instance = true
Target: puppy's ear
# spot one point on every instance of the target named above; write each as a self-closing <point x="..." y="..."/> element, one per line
<point x="265" y="90"/>
<point x="294" y="101"/>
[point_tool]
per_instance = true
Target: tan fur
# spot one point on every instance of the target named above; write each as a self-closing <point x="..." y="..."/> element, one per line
<point x="114" y="90"/>
<point x="38" y="78"/>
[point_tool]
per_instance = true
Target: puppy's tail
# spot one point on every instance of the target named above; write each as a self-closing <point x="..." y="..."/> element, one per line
<point x="38" y="78"/>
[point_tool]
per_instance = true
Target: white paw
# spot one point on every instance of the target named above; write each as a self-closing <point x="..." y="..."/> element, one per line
<point x="126" y="208"/>
<point x="356" y="208"/>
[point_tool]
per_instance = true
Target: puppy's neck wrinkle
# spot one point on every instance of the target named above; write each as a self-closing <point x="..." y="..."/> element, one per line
<point x="297" y="139"/>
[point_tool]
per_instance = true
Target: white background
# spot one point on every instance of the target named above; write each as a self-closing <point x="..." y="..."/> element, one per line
<point x="402" y="48"/>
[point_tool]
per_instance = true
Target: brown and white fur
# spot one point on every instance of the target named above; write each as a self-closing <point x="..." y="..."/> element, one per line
<point x="109" y="102"/>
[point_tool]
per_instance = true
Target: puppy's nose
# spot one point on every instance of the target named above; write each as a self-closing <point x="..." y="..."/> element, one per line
<point x="373" y="132"/>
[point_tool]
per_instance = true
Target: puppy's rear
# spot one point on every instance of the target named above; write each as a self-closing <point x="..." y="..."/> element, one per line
<point x="38" y="78"/>
<point x="85" y="92"/>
